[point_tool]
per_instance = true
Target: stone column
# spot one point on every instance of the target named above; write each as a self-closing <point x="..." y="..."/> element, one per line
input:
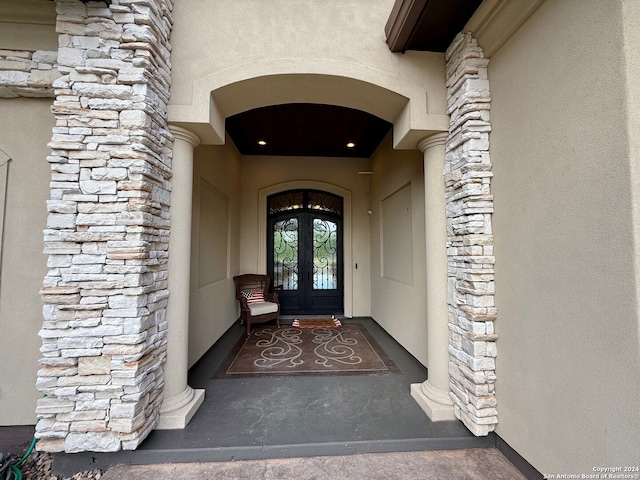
<point x="433" y="394"/>
<point x="105" y="293"/>
<point x="180" y="400"/>
<point x="471" y="286"/>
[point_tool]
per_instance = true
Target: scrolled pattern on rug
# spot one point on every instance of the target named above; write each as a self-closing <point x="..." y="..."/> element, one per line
<point x="281" y="347"/>
<point x="321" y="350"/>
<point x="334" y="347"/>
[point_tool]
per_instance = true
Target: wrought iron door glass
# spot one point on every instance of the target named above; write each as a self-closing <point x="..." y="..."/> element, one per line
<point x="305" y="251"/>
<point x="325" y="254"/>
<point x="285" y="254"/>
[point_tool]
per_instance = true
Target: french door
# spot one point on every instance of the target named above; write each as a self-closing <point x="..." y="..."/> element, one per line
<point x="305" y="260"/>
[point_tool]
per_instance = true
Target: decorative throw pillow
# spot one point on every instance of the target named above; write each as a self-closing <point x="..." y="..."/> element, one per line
<point x="256" y="297"/>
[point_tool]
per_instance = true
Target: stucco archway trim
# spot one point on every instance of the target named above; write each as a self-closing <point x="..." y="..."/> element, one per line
<point x="346" y="225"/>
<point x="379" y="93"/>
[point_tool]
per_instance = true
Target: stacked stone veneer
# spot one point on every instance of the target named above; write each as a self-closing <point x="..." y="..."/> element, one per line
<point x="25" y="73"/>
<point x="104" y="330"/>
<point x="472" y="341"/>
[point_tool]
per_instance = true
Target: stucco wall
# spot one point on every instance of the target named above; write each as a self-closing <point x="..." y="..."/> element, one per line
<point x="249" y="35"/>
<point x="398" y="300"/>
<point x="261" y="172"/>
<point x="631" y="29"/>
<point x="568" y="367"/>
<point x="234" y="56"/>
<point x="215" y="245"/>
<point x="30" y="25"/>
<point x="23" y="265"/>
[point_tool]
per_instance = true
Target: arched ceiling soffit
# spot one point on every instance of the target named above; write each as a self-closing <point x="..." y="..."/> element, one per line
<point x="307" y="130"/>
<point x="217" y="97"/>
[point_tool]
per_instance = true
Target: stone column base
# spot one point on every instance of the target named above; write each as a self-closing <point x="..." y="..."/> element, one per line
<point x="435" y="403"/>
<point x="176" y="412"/>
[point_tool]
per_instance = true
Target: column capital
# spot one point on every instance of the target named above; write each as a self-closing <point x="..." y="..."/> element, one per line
<point x="431" y="141"/>
<point x="184" y="134"/>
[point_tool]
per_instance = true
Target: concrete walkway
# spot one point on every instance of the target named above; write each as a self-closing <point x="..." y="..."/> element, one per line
<point x="471" y="464"/>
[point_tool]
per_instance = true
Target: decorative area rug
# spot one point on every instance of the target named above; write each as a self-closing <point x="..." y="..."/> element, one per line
<point x="349" y="350"/>
<point x="316" y="322"/>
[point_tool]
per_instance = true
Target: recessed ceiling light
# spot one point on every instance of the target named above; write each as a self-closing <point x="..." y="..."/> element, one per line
<point x="262" y="143"/>
<point x="351" y="145"/>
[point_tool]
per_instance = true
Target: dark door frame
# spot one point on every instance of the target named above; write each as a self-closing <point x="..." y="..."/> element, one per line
<point x="309" y="208"/>
<point x="347" y="225"/>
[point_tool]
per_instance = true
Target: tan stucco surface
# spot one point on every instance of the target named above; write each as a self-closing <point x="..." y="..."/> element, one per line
<point x="631" y="20"/>
<point x="214" y="262"/>
<point x="23" y="265"/>
<point x="398" y="301"/>
<point x="568" y="364"/>
<point x="234" y="56"/>
<point x="16" y="36"/>
<point x="28" y="25"/>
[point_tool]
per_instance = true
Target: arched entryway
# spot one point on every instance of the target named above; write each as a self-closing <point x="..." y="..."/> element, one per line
<point x="268" y="176"/>
<point x="279" y="173"/>
<point x="409" y="132"/>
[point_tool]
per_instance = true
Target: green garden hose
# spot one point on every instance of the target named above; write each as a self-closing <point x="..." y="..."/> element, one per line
<point x="10" y="470"/>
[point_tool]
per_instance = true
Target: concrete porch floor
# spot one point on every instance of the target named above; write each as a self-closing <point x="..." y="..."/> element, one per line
<point x="282" y="417"/>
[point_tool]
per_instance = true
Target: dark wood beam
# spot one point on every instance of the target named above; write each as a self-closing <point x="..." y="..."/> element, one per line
<point x="427" y="25"/>
<point x="402" y="22"/>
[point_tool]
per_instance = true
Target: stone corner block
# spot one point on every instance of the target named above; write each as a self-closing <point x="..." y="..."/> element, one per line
<point x="92" y="441"/>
